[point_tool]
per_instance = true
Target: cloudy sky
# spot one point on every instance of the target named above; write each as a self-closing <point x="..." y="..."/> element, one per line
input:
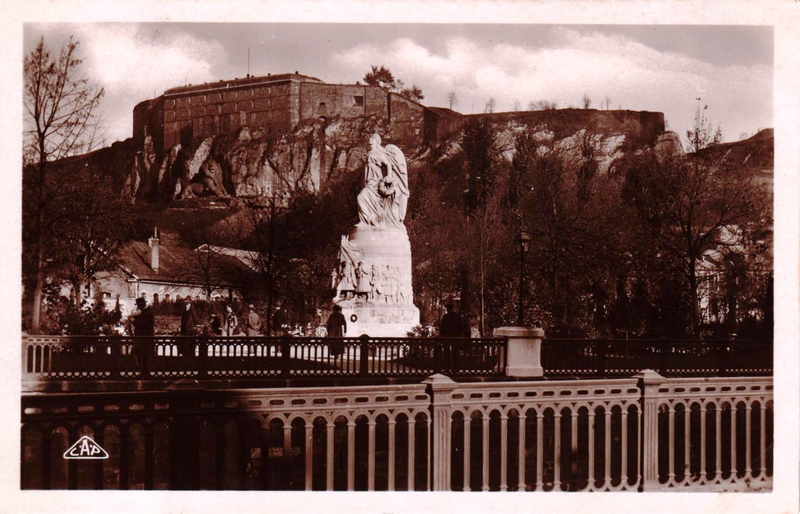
<point x="668" y="68"/>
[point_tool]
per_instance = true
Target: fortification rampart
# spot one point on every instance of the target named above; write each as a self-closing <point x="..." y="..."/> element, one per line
<point x="641" y="125"/>
<point x="275" y="104"/>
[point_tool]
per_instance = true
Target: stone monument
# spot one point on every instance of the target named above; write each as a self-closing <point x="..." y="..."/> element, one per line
<point x="372" y="279"/>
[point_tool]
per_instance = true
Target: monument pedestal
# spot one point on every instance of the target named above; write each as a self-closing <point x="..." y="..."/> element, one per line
<point x="376" y="295"/>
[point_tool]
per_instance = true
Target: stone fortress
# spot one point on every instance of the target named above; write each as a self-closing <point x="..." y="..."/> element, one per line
<point x="276" y="104"/>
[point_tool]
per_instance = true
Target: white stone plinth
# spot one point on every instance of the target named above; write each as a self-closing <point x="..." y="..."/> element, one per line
<point x="524" y="357"/>
<point x="387" y="310"/>
<point x="379" y="320"/>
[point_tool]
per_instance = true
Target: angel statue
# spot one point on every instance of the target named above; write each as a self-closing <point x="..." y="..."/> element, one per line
<point x="384" y="199"/>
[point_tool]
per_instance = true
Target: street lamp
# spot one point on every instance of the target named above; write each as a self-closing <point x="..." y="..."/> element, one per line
<point x="522" y="244"/>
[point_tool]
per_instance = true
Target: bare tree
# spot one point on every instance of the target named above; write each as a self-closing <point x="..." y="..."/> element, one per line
<point x="690" y="204"/>
<point x="61" y="120"/>
<point x="606" y="102"/>
<point x="541" y="105"/>
<point x="452" y="98"/>
<point x="586" y="101"/>
<point x="490" y="105"/>
<point x="517" y="105"/>
<point x="702" y="134"/>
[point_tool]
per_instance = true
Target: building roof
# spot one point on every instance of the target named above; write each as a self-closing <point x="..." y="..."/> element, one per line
<point x="444" y="112"/>
<point x="240" y="82"/>
<point x="177" y="264"/>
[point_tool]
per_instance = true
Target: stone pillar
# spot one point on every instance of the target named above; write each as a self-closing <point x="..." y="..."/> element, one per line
<point x="439" y="387"/>
<point x="524" y="354"/>
<point x="649" y="381"/>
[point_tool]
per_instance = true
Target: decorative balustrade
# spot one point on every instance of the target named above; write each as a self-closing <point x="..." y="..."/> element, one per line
<point x="642" y="433"/>
<point x="713" y="433"/>
<point x="361" y="437"/>
<point x="168" y="357"/>
<point x="623" y="358"/>
<point x="534" y="436"/>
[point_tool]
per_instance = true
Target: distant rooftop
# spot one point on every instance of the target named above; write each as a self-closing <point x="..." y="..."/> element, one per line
<point x="238" y="82"/>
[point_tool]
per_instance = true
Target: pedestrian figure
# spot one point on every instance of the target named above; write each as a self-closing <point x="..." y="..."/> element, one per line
<point x="144" y="326"/>
<point x="189" y="324"/>
<point x="189" y="321"/>
<point x="278" y="321"/>
<point x="337" y="327"/>
<point x="253" y="324"/>
<point x="452" y="325"/>
<point x="144" y="321"/>
<point x="229" y="321"/>
<point x="215" y="325"/>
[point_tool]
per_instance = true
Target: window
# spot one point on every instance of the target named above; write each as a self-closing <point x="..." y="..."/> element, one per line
<point x="359" y="100"/>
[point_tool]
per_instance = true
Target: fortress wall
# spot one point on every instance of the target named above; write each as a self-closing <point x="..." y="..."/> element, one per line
<point x="148" y="119"/>
<point x="276" y="106"/>
<point x="641" y="125"/>
<point x="407" y="120"/>
<point x="376" y="102"/>
<point x="200" y="113"/>
<point x="348" y="101"/>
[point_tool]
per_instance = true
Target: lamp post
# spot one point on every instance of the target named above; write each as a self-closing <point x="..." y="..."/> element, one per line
<point x="522" y="244"/>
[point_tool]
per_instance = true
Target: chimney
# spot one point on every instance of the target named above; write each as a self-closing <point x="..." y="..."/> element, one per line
<point x="153" y="242"/>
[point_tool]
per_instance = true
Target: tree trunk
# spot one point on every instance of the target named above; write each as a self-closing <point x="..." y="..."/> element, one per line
<point x="36" y="322"/>
<point x="695" y="305"/>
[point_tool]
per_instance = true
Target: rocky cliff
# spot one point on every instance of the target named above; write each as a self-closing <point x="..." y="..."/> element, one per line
<point x="243" y="164"/>
<point x="247" y="164"/>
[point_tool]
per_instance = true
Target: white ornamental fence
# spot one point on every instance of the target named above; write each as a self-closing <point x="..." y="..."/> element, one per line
<point x="644" y="433"/>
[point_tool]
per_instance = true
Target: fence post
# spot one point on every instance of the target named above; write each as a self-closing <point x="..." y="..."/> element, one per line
<point x="439" y="388"/>
<point x="286" y="354"/>
<point x="144" y="346"/>
<point x="363" y="361"/>
<point x="524" y="354"/>
<point x="184" y="398"/>
<point x="438" y="352"/>
<point x="602" y="346"/>
<point x="649" y="381"/>
<point x="115" y="353"/>
<point x="202" y="357"/>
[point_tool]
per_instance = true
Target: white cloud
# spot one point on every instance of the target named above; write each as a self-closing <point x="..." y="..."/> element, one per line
<point x="632" y="75"/>
<point x="132" y="67"/>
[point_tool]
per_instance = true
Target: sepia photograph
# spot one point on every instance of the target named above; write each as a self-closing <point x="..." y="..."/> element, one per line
<point x="355" y="252"/>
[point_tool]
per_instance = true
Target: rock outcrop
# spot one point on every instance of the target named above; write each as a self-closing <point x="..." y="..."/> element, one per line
<point x="318" y="152"/>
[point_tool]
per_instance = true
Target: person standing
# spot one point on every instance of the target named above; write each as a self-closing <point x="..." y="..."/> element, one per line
<point x="253" y="323"/>
<point x="278" y="321"/>
<point x="229" y="321"/>
<point x="337" y="327"/>
<point x="144" y="326"/>
<point x="215" y="325"/>
<point x="452" y="325"/>
<point x="143" y="322"/>
<point x="189" y="321"/>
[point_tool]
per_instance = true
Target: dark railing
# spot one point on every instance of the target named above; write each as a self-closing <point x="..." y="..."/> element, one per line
<point x="169" y="357"/>
<point x="671" y="358"/>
